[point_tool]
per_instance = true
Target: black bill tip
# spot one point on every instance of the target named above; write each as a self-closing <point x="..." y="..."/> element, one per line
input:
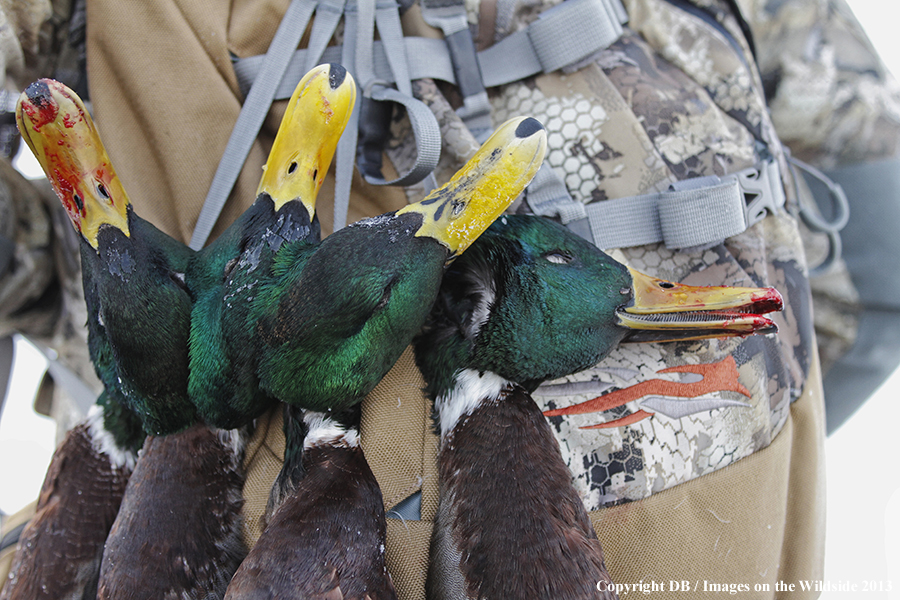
<point x="336" y="75"/>
<point x="528" y="128"/>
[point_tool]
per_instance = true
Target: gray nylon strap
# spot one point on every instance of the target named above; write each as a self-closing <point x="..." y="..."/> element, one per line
<point x="450" y="17"/>
<point x="387" y="17"/>
<point x="586" y="22"/>
<point x="346" y="148"/>
<point x="426" y="57"/>
<point x="555" y="41"/>
<point x="547" y="194"/>
<point x="358" y="57"/>
<point x="700" y="213"/>
<point x="252" y="115"/>
<point x="328" y="15"/>
<point x="565" y="34"/>
<point x="425" y="127"/>
<point x="696" y="217"/>
<point x="365" y="35"/>
<point x="427" y="133"/>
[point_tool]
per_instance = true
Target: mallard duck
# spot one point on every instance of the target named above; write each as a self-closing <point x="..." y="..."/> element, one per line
<point x="226" y="275"/>
<point x="197" y="475"/>
<point x="331" y="323"/>
<point x="139" y="309"/>
<point x="60" y="551"/>
<point x="529" y="302"/>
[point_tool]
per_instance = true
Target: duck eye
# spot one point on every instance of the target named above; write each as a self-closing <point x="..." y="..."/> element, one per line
<point x="292" y="167"/>
<point x="666" y="285"/>
<point x="558" y="257"/>
<point x="103" y="191"/>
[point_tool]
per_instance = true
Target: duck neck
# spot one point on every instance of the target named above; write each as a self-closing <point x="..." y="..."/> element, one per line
<point x="306" y="432"/>
<point x="115" y="431"/>
<point x="471" y="390"/>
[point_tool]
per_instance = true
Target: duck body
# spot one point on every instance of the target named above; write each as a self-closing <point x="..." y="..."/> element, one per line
<point x="61" y="547"/>
<point x="529" y="302"/>
<point x="129" y="268"/>
<point x="488" y="510"/>
<point x="139" y="312"/>
<point x="227" y="276"/>
<point x="139" y="309"/>
<point x="325" y="524"/>
<point x="177" y="533"/>
<point x="358" y="304"/>
<point x="335" y="317"/>
<point x="347" y="306"/>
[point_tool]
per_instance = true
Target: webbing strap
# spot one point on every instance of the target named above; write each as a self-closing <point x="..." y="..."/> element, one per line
<point x="590" y="26"/>
<point x="328" y="15"/>
<point x="358" y="57"/>
<point x="562" y="35"/>
<point x="693" y="213"/>
<point x="426" y="57"/>
<point x="426" y="131"/>
<point x="450" y="17"/>
<point x="346" y="148"/>
<point x="252" y="115"/>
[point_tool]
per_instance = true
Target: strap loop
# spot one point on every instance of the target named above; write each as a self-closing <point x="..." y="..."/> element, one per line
<point x="692" y="213"/>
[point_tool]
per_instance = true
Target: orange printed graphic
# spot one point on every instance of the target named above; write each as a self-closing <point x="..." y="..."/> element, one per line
<point x="716" y="377"/>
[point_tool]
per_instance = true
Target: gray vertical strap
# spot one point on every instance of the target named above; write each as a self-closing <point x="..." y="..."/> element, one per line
<point x="365" y="35"/>
<point x="328" y="15"/>
<point x="346" y="148"/>
<point x="252" y="115"/>
<point x="548" y="196"/>
<point x="387" y="17"/>
<point x="450" y="17"/>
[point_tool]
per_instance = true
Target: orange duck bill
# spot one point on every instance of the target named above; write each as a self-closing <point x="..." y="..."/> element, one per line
<point x="663" y="311"/>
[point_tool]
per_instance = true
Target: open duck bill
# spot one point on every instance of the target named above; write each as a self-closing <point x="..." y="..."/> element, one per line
<point x="663" y="311"/>
<point x="459" y="211"/>
<point x="56" y="126"/>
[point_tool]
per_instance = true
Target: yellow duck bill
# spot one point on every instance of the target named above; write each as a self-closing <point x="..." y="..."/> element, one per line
<point x="315" y="118"/>
<point x="55" y="124"/>
<point x="661" y="310"/>
<point x="458" y="212"/>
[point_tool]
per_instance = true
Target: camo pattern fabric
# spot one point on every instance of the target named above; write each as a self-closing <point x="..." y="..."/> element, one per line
<point x="676" y="97"/>
<point x="834" y="104"/>
<point x="832" y="100"/>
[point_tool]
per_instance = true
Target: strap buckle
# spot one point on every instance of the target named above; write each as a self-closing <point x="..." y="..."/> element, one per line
<point x="762" y="190"/>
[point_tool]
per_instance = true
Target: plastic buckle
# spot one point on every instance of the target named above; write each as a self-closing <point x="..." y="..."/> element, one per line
<point x="762" y="189"/>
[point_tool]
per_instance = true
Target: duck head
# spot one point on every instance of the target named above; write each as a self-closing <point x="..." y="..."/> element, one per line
<point x="337" y="316"/>
<point x="316" y="116"/>
<point x="532" y="301"/>
<point x="55" y="124"/>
